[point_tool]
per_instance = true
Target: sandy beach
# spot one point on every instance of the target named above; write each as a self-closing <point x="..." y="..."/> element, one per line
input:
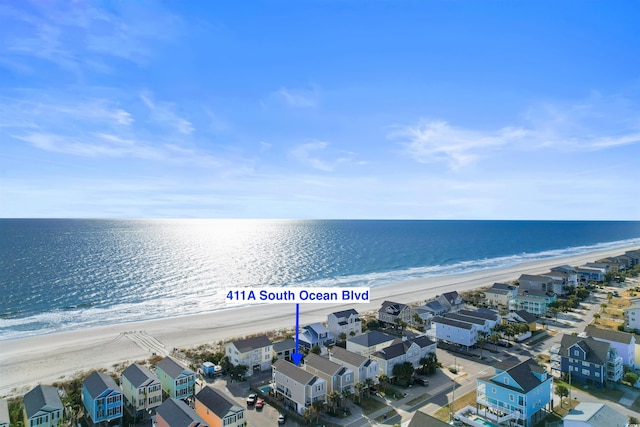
<point x="27" y="362"/>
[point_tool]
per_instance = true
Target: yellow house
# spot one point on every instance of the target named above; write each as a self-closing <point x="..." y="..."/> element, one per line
<point x="217" y="410"/>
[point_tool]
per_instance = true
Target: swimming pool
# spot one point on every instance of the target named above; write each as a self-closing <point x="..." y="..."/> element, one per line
<point x="265" y="389"/>
<point x="482" y="421"/>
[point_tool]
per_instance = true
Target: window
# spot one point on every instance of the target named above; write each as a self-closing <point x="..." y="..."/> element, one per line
<point x="576" y="352"/>
<point x="586" y="372"/>
<point x="511" y="398"/>
<point x="493" y="390"/>
<point x="506" y="381"/>
<point x="597" y="374"/>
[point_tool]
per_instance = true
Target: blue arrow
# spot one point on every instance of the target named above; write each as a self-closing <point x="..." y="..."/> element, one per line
<point x="297" y="357"/>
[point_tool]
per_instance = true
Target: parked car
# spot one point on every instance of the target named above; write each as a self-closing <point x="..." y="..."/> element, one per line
<point x="259" y="403"/>
<point x="282" y="418"/>
<point x="421" y="381"/>
<point x="251" y="400"/>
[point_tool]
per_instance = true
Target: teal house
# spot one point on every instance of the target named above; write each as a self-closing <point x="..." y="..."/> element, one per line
<point x="102" y="399"/>
<point x="522" y="394"/>
<point x="177" y="381"/>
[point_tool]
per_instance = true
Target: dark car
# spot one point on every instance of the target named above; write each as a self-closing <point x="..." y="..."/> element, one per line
<point x="421" y="381"/>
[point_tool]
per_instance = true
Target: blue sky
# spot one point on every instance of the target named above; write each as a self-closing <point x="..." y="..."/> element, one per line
<point x="320" y="109"/>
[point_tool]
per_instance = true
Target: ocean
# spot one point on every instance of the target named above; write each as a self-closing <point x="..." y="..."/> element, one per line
<point x="63" y="274"/>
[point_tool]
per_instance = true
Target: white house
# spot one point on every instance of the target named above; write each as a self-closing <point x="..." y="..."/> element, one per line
<point x="338" y="377"/>
<point x="410" y="350"/>
<point x="452" y="301"/>
<point x="632" y="315"/>
<point x="254" y="352"/>
<point x="594" y="415"/>
<point x="369" y="343"/>
<point x="623" y="342"/>
<point x="455" y="332"/>
<point x="364" y="368"/>
<point x="500" y="294"/>
<point x="297" y="387"/>
<point x="345" y="322"/>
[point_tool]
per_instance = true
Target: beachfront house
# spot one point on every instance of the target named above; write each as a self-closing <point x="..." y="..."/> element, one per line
<point x="409" y="350"/>
<point x="42" y="407"/>
<point x="390" y="313"/>
<point x="177" y="381"/>
<point x="176" y="413"/>
<point x="297" y="387"/>
<point x="623" y="342"/>
<point x="595" y="415"/>
<point x="315" y="334"/>
<point x="500" y="294"/>
<point x="569" y="272"/>
<point x="428" y="311"/>
<point x="218" y="410"/>
<point x="369" y="343"/>
<point x="339" y="378"/>
<point x="533" y="300"/>
<point x="284" y="349"/>
<point x="452" y="301"/>
<point x="364" y="368"/>
<point x="345" y="322"/>
<point x="632" y="316"/>
<point x="141" y="389"/>
<point x="255" y="353"/>
<point x="589" y="361"/>
<point x="102" y="399"/>
<point x="455" y="332"/>
<point x="535" y="282"/>
<point x="590" y="274"/>
<point x="522" y="394"/>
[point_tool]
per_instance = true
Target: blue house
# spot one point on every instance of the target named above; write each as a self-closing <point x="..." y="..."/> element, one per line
<point x="589" y="361"/>
<point x="315" y="334"/>
<point x="102" y="398"/>
<point x="522" y="394"/>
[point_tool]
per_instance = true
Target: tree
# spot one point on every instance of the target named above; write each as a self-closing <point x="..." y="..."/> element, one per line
<point x="562" y="391"/>
<point x="417" y="319"/>
<point x="315" y="349"/>
<point x="332" y="399"/>
<point x="369" y="383"/>
<point x="402" y="325"/>
<point x="630" y="378"/>
<point x="360" y="386"/>
<point x="602" y="307"/>
<point x="342" y="336"/>
<point x="383" y="380"/>
<point x="403" y="372"/>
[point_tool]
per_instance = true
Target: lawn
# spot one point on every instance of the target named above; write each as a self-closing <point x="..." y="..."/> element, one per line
<point x="370" y="405"/>
<point x="604" y="393"/>
<point x="389" y="417"/>
<point x="558" y="413"/>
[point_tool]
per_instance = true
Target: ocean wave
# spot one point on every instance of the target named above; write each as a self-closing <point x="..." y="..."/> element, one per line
<point x="66" y="318"/>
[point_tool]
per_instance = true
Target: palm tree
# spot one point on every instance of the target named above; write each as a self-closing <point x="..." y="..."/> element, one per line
<point x="383" y="379"/>
<point x="360" y="386"/>
<point x="369" y="383"/>
<point x="332" y="399"/>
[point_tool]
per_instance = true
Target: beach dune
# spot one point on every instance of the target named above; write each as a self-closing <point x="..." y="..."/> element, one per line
<point x="26" y="362"/>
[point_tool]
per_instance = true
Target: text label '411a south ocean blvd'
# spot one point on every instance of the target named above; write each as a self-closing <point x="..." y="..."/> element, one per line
<point x="296" y="295"/>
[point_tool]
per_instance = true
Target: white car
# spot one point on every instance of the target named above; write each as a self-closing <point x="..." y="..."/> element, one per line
<point x="281" y="419"/>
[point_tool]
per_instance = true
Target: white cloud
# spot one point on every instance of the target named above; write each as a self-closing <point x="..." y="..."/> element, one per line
<point x="437" y="141"/>
<point x="164" y="113"/>
<point x="298" y="98"/>
<point x="304" y="153"/>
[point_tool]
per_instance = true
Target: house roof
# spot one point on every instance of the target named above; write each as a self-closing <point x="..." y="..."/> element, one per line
<point x="41" y="397"/>
<point x="138" y="375"/>
<point x="526" y="316"/>
<point x="217" y="402"/>
<point x="322" y="364"/>
<point x="370" y="339"/>
<point x="422" y="341"/>
<point x="345" y="313"/>
<point x="533" y="293"/>
<point x="523" y="375"/>
<point x="393" y="308"/>
<point x="467" y="319"/>
<point x="287" y="344"/>
<point x="346" y="356"/>
<point x="292" y="371"/>
<point x="451" y="297"/>
<point x="434" y="306"/>
<point x="172" y="368"/>
<point x="253" y="343"/>
<point x="451" y="322"/>
<point x="420" y="419"/>
<point x="565" y="268"/>
<point x="596" y="350"/>
<point x="98" y="382"/>
<point x="178" y="414"/>
<point x="534" y="278"/>
<point x="597" y="415"/>
<point x="318" y="328"/>
<point x="393" y="351"/>
<point x="609" y="335"/>
<point x="502" y="287"/>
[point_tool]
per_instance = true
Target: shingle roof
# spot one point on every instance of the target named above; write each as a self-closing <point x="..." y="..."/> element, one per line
<point x="451" y="296"/>
<point x="526" y="316"/>
<point x="434" y="306"/>
<point x="217" y="402"/>
<point x="98" y="382"/>
<point x="391" y="352"/>
<point x="345" y="313"/>
<point x="138" y="375"/>
<point x="596" y="350"/>
<point x="609" y="335"/>
<point x="178" y="414"/>
<point x="391" y="307"/>
<point x="467" y="319"/>
<point x="422" y="341"/>
<point x="171" y="367"/>
<point x="420" y="419"/>
<point x="253" y="343"/>
<point x="293" y="372"/>
<point x="370" y="339"/>
<point x="596" y="415"/>
<point x="502" y="287"/>
<point x="287" y="344"/>
<point x="451" y="322"/>
<point x="41" y="397"/>
<point x="346" y="356"/>
<point x="322" y="364"/>
<point x="523" y="375"/>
